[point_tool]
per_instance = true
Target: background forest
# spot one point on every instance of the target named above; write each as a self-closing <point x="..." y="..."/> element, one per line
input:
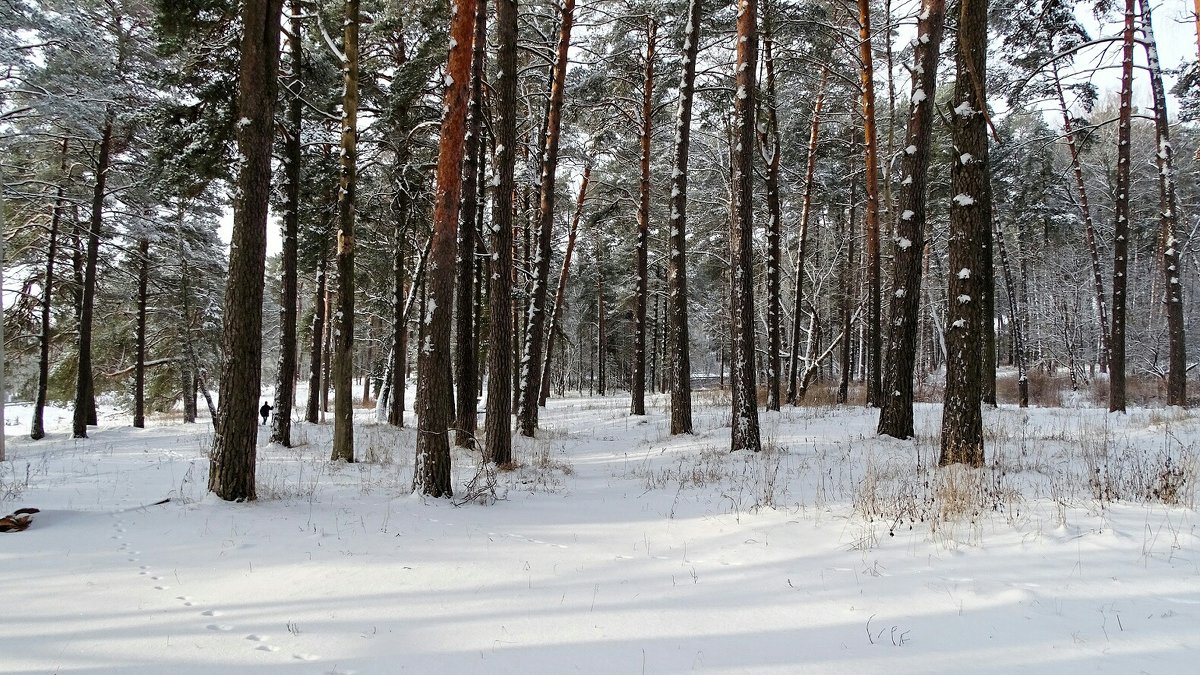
<point x="120" y="161"/>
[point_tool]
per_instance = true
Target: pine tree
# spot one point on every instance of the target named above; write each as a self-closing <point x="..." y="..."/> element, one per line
<point x="677" y="295"/>
<point x="745" y="435"/>
<point x="232" y="462"/>
<point x="896" y="406"/>
<point x="1116" y="362"/>
<point x="962" y="419"/>
<point x="434" y="406"/>
<point x="343" y="319"/>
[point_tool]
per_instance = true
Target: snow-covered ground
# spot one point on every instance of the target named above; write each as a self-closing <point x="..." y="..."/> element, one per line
<point x="614" y="548"/>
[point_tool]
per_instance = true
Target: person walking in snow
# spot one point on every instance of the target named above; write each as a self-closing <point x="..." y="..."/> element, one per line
<point x="265" y="411"/>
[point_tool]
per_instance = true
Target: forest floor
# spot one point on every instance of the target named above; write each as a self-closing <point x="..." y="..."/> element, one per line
<point x="614" y="548"/>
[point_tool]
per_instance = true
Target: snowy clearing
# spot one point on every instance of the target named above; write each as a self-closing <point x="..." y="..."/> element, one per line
<point x="615" y="548"/>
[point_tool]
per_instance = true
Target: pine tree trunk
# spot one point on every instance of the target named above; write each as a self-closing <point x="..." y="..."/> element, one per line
<point x="744" y="434"/>
<point x="896" y="406"/>
<point x="560" y="294"/>
<point x="285" y="381"/>
<point x="85" y="400"/>
<point x="874" y="328"/>
<point x="231" y="474"/>
<point x="139" y="364"/>
<point x="962" y="419"/>
<point x="531" y="358"/>
<point x="802" y="245"/>
<point x="38" y="426"/>
<point x="434" y="407"/>
<point x="498" y="425"/>
<point x="638" y="388"/>
<point x="601" y="323"/>
<point x="1116" y="362"/>
<point x="312" y="413"/>
<point x="343" y="319"/>
<point x="466" y="370"/>
<point x="677" y="294"/>
<point x="846" y="298"/>
<point x="399" y="355"/>
<point x="769" y="143"/>
<point x="1168" y="205"/>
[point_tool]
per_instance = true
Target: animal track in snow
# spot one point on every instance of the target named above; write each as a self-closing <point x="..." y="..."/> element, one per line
<point x="221" y="627"/>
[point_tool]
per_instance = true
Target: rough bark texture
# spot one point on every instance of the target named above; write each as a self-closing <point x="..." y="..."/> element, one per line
<point x="637" y="392"/>
<point x="431" y="475"/>
<point x="466" y="352"/>
<point x="139" y="363"/>
<point x="498" y="425"/>
<point x="531" y="358"/>
<point x="231" y="474"/>
<point x="744" y="434"/>
<point x="814" y="130"/>
<point x="769" y="142"/>
<point x="896" y="406"/>
<point x="871" y="221"/>
<point x="285" y="381"/>
<point x="962" y="418"/>
<point x="1116" y="362"/>
<point x="343" y="319"/>
<point x="677" y="295"/>
<point x="1168" y="207"/>
<point x="84" y="395"/>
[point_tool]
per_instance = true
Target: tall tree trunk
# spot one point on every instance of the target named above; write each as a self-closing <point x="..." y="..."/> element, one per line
<point x="962" y="419"/>
<point x="85" y="401"/>
<point x="871" y="222"/>
<point x="769" y="144"/>
<point x="896" y="406"/>
<point x="191" y="381"/>
<point x="399" y="356"/>
<point x="802" y="246"/>
<point x="343" y="333"/>
<point x="285" y="380"/>
<point x="466" y="370"/>
<point x="1089" y="228"/>
<point x="1015" y="323"/>
<point x="139" y="363"/>
<point x="232" y="463"/>
<point x="744" y="434"/>
<point x="846" y="296"/>
<point x="498" y="425"/>
<point x="560" y="294"/>
<point x="637" y="391"/>
<point x="434" y="407"/>
<point x="531" y="359"/>
<point x="601" y="322"/>
<point x="1116" y="362"/>
<point x="677" y="295"/>
<point x="1168" y="206"/>
<point x="315" y="352"/>
<point x="38" y="427"/>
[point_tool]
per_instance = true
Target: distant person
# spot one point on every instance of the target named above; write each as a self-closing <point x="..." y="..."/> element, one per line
<point x="265" y="411"/>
